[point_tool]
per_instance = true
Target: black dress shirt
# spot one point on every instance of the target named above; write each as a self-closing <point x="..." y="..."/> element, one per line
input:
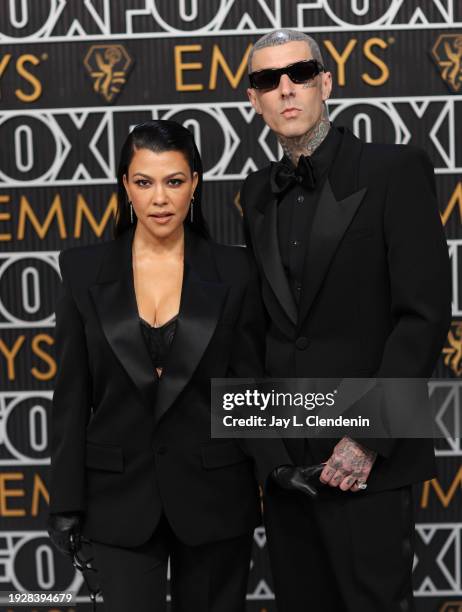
<point x="296" y="211"/>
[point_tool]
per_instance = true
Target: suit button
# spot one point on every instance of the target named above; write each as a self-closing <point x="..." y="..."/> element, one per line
<point x="162" y="450"/>
<point x="302" y="343"/>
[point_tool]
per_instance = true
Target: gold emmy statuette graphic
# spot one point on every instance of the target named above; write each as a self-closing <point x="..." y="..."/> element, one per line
<point x="237" y="203"/>
<point x="451" y="606"/>
<point x="453" y="351"/>
<point x="447" y="53"/>
<point x="108" y="67"/>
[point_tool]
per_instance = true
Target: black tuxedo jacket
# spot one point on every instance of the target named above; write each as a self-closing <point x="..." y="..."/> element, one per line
<point x="375" y="298"/>
<point x="123" y="450"/>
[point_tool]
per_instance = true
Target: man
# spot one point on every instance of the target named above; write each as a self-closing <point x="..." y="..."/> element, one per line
<point x="355" y="280"/>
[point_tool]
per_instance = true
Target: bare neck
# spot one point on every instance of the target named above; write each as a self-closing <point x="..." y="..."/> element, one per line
<point x="147" y="245"/>
<point x="308" y="142"/>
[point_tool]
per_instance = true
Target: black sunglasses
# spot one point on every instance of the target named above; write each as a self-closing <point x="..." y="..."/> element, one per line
<point x="300" y="72"/>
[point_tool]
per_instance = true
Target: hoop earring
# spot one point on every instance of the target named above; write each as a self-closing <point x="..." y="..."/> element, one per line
<point x="131" y="213"/>
<point x="191" y="210"/>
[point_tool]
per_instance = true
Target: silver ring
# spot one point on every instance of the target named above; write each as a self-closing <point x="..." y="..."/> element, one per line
<point x="362" y="485"/>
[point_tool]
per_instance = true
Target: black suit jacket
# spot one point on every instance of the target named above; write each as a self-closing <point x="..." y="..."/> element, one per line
<point x="123" y="450"/>
<point x="376" y="297"/>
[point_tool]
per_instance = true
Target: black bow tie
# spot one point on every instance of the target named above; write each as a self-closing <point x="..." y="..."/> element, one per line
<point x="283" y="175"/>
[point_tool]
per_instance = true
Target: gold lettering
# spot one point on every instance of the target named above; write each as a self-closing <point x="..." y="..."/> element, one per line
<point x="5" y="216"/>
<point x="28" y="76"/>
<point x="10" y="354"/>
<point x="181" y="66"/>
<point x="5" y="493"/>
<point x="84" y="211"/>
<point x="456" y="200"/>
<point x="385" y="75"/>
<point x="39" y="491"/>
<point x="26" y="211"/>
<point x="444" y="498"/>
<point x="3" y="64"/>
<point x="219" y="60"/>
<point x="37" y="350"/>
<point x="341" y="59"/>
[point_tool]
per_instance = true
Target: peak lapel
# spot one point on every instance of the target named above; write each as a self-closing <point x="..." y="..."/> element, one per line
<point x="267" y="242"/>
<point x="332" y="217"/>
<point x="115" y="301"/>
<point x="330" y="223"/>
<point x="202" y="300"/>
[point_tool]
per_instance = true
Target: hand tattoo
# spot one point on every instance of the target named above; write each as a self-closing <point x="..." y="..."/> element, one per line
<point x="350" y="456"/>
<point x="307" y="143"/>
<point x="350" y="462"/>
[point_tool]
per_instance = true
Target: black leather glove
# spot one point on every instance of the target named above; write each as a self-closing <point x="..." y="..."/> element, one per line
<point x="64" y="531"/>
<point x="297" y="478"/>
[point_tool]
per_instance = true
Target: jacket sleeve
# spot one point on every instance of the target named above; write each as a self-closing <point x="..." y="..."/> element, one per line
<point x="247" y="361"/>
<point x="419" y="275"/>
<point x="71" y="403"/>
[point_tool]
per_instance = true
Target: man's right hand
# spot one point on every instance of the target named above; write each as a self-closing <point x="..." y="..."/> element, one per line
<point x="297" y="478"/>
<point x="60" y="527"/>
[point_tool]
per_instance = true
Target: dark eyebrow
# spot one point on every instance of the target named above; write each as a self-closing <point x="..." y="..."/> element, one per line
<point x="150" y="178"/>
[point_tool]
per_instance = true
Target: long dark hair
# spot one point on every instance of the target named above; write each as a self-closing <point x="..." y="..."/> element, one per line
<point x="159" y="135"/>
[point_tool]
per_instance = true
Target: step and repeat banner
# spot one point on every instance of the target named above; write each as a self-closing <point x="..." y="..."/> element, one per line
<point x="75" y="76"/>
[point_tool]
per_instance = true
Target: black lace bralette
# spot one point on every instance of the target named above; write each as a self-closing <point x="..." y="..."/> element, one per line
<point x="159" y="339"/>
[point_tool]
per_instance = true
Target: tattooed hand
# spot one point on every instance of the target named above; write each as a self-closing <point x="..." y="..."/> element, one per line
<point x="349" y="463"/>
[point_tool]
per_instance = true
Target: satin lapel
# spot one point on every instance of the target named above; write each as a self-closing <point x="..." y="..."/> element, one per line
<point x="267" y="243"/>
<point x="202" y="301"/>
<point x="115" y="301"/>
<point x="329" y="225"/>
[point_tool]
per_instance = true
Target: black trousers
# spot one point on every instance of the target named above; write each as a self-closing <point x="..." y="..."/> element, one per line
<point x="343" y="552"/>
<point x="210" y="578"/>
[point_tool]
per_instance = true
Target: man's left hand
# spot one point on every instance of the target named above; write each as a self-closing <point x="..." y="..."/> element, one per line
<point x="349" y="465"/>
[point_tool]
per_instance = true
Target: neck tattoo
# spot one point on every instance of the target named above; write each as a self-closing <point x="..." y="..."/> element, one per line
<point x="308" y="142"/>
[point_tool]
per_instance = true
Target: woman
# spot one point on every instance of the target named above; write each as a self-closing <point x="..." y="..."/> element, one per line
<point x="143" y="323"/>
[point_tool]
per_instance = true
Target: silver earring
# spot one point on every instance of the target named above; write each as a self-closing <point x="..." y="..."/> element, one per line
<point x="131" y="213"/>
<point x="191" y="210"/>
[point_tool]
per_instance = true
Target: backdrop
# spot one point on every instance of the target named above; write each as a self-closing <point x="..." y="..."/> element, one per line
<point x="75" y="75"/>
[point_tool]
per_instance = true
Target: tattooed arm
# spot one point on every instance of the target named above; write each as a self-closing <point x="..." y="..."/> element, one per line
<point x="349" y="463"/>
